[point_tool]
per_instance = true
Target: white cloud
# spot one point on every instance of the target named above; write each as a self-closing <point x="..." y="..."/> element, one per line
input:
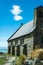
<point x="18" y="17"/>
<point x="16" y="11"/>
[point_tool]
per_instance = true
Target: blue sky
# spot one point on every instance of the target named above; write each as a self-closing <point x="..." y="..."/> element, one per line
<point x="12" y="14"/>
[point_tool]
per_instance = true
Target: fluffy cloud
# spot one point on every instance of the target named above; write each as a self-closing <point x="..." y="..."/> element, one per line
<point x="18" y="17"/>
<point x="16" y="11"/>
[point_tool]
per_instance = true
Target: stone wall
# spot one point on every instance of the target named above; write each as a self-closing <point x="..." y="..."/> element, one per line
<point x="38" y="34"/>
<point x="28" y="40"/>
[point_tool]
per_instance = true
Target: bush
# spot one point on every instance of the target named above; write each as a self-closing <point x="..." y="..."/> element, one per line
<point x="37" y="53"/>
<point x="21" y="60"/>
<point x="18" y="62"/>
<point x="22" y="57"/>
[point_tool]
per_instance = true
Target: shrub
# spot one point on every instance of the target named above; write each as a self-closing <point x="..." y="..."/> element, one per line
<point x="22" y="57"/>
<point x="37" y="53"/>
<point x="21" y="60"/>
<point x="18" y="62"/>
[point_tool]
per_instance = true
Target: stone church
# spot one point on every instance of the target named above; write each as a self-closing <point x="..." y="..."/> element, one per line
<point x="28" y="36"/>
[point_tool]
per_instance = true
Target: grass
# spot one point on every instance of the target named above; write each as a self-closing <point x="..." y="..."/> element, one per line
<point x="2" y="61"/>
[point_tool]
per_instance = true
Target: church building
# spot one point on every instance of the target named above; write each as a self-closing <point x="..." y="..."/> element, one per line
<point x="28" y="36"/>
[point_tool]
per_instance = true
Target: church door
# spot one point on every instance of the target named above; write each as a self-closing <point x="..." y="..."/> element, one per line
<point x="25" y="49"/>
<point x="9" y="48"/>
<point x="18" y="50"/>
<point x="13" y="50"/>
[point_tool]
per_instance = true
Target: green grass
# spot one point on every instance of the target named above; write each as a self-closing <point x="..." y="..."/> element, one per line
<point x="2" y="61"/>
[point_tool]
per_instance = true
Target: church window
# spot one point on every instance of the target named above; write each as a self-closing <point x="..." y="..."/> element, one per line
<point x="16" y="42"/>
<point x="21" y="41"/>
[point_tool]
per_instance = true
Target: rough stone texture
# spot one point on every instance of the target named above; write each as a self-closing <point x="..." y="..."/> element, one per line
<point x="9" y="43"/>
<point x="38" y="34"/>
<point x="28" y="40"/>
